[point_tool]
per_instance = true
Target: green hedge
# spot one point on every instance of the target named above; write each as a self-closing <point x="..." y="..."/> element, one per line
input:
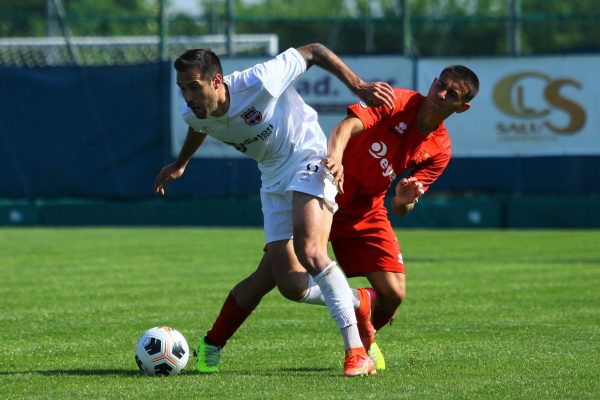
<point x="472" y="211"/>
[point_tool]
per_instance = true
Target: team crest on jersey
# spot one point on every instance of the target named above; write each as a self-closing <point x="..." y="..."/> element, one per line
<point x="252" y="116"/>
<point x="401" y="127"/>
<point x="422" y="156"/>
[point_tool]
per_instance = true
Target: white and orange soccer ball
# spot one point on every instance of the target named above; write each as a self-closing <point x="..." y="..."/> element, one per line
<point x="161" y="351"/>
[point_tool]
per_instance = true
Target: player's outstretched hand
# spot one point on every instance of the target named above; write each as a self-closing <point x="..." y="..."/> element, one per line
<point x="375" y="94"/>
<point x="336" y="169"/>
<point x="409" y="190"/>
<point x="167" y="175"/>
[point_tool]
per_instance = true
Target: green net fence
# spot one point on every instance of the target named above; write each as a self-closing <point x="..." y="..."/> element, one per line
<point x="33" y="38"/>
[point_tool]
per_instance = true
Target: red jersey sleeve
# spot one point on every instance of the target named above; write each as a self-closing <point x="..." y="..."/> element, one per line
<point x="428" y="170"/>
<point x="369" y="116"/>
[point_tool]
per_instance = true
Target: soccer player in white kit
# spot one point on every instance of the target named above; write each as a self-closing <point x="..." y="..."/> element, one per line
<point x="259" y="113"/>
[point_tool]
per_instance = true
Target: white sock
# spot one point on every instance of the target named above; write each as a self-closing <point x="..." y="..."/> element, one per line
<point x="338" y="297"/>
<point x="315" y="296"/>
<point x="351" y="337"/>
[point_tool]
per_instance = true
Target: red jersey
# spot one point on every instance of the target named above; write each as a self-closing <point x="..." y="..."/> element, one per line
<point x="389" y="146"/>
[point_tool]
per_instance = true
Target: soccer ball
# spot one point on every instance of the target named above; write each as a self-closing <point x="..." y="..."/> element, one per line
<point x="161" y="351"/>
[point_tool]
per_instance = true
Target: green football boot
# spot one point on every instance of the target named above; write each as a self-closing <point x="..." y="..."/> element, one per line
<point x="207" y="357"/>
<point x="377" y="357"/>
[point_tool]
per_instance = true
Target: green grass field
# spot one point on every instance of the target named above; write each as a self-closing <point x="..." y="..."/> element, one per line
<point x="489" y="314"/>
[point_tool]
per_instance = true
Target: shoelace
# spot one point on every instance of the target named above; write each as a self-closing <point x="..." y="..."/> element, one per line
<point x="212" y="355"/>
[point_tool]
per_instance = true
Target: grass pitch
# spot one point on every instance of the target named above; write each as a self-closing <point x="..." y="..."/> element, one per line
<point x="489" y="314"/>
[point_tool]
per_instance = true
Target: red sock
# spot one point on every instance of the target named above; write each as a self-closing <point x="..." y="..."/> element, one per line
<point x="231" y="317"/>
<point x="381" y="319"/>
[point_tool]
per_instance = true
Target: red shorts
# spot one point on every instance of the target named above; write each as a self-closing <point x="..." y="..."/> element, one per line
<point x="368" y="250"/>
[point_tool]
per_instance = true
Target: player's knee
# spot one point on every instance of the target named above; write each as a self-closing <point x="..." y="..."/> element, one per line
<point x="398" y="296"/>
<point x="308" y="254"/>
<point x="291" y="292"/>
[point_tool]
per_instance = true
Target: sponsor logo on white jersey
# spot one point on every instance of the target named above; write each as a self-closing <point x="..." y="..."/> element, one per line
<point x="378" y="150"/>
<point x="264" y="135"/>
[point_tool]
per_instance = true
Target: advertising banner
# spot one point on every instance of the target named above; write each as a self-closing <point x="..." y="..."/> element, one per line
<point x="534" y="106"/>
<point x="320" y="89"/>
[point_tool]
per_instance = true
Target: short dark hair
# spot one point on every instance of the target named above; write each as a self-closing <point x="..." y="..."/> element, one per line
<point x="204" y="60"/>
<point x="466" y="75"/>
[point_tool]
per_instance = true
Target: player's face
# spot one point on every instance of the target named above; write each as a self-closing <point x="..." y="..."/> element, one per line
<point x="200" y="95"/>
<point x="446" y="96"/>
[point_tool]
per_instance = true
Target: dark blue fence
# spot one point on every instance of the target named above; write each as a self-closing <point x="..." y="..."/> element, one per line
<point x="103" y="133"/>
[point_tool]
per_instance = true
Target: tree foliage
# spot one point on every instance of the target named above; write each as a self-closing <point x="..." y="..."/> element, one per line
<point x="437" y="27"/>
<point x="113" y="17"/>
<point x="30" y="18"/>
<point x="22" y="18"/>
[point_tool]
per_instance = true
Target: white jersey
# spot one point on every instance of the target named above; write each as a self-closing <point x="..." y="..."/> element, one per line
<point x="267" y="119"/>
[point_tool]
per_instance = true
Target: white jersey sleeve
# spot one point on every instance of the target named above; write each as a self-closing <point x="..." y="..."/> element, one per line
<point x="277" y="74"/>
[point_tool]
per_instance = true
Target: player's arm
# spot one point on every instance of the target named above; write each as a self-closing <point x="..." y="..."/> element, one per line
<point x="169" y="173"/>
<point x="340" y="135"/>
<point x="409" y="191"/>
<point x="372" y="93"/>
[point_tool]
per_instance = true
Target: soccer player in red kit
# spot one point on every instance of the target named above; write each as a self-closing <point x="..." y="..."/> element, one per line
<point x="378" y="144"/>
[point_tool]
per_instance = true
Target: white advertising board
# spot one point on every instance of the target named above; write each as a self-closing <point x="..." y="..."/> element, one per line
<point x="537" y="106"/>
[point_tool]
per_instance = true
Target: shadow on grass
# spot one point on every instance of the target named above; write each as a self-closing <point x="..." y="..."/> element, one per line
<point x="306" y="370"/>
<point x="77" y="372"/>
<point x="130" y="372"/>
<point x="286" y="371"/>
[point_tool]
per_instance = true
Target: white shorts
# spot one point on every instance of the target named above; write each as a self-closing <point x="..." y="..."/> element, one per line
<point x="310" y="177"/>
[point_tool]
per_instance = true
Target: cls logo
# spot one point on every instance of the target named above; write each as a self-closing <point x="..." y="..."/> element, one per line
<point x="510" y="97"/>
<point x="378" y="149"/>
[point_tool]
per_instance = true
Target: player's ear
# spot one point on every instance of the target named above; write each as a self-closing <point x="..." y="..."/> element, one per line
<point x="217" y="81"/>
<point x="463" y="108"/>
